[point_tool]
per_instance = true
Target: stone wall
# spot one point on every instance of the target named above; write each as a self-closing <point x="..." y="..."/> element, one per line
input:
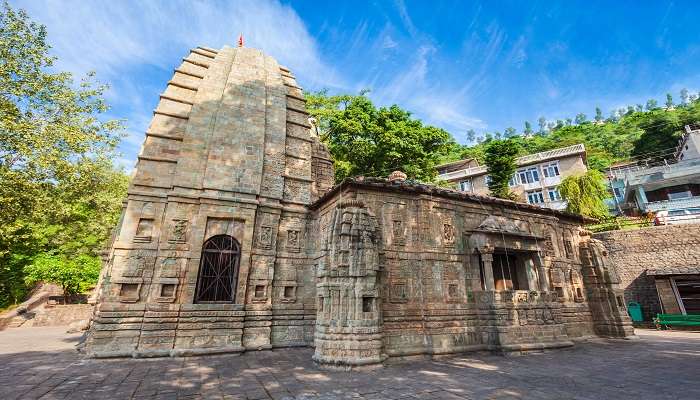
<point x="229" y="153"/>
<point x="427" y="291"/>
<point x="633" y="252"/>
<point x="232" y="239"/>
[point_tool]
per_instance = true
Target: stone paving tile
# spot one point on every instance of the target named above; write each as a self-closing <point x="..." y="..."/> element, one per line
<point x="661" y="365"/>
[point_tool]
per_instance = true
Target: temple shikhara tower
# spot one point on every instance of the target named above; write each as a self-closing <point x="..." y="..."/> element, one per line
<point x="233" y="238"/>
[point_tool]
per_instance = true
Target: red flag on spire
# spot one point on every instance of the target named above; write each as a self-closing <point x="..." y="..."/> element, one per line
<point x="240" y="40"/>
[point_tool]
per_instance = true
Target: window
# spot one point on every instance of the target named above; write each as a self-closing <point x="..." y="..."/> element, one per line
<point x="529" y="175"/>
<point x="535" y="197"/>
<point x="289" y="292"/>
<point x="260" y="291"/>
<point x="508" y="273"/>
<point x="680" y="195"/>
<point x="513" y="180"/>
<point x="129" y="292"/>
<point x="167" y="290"/>
<point x="367" y="304"/>
<point x="551" y="170"/>
<point x="465" y="186"/>
<point x="553" y="194"/>
<point x="618" y="192"/>
<point x="487" y="179"/>
<point x="218" y="270"/>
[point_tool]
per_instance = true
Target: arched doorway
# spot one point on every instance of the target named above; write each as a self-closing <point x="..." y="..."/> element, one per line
<point x="218" y="270"/>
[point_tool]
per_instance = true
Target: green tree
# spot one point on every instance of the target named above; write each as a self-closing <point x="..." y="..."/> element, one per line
<point x="669" y="100"/>
<point x="598" y="114"/>
<point x="542" y="122"/>
<point x="74" y="275"/>
<point x="366" y="140"/>
<point x="59" y="194"/>
<point x="500" y="166"/>
<point x="684" y="96"/>
<point x="471" y="135"/>
<point x="651" y="105"/>
<point x="528" y="128"/>
<point x="585" y="194"/>
<point x="509" y="132"/>
<point x="580" y="118"/>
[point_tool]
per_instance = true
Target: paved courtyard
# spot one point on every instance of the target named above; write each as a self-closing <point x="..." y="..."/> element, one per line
<point x="40" y="363"/>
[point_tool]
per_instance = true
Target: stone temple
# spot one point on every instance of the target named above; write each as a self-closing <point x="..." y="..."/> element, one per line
<point x="233" y="238"/>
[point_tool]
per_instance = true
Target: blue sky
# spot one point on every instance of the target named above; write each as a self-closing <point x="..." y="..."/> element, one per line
<point x="458" y="65"/>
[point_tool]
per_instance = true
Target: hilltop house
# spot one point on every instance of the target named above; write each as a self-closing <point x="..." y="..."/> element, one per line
<point x="535" y="181"/>
<point x="671" y="184"/>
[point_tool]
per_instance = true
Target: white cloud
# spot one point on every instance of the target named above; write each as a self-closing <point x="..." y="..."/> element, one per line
<point x="126" y="41"/>
<point x="111" y="36"/>
<point x="414" y="89"/>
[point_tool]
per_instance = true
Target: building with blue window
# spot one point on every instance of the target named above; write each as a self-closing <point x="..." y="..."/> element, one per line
<point x="669" y="184"/>
<point x="536" y="181"/>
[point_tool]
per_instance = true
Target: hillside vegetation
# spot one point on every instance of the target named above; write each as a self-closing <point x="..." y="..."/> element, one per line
<point x="630" y="134"/>
<point x="369" y="140"/>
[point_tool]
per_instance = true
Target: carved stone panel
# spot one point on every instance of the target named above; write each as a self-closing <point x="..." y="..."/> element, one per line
<point x="178" y="231"/>
<point x="265" y="237"/>
<point x="144" y="230"/>
<point x="293" y="240"/>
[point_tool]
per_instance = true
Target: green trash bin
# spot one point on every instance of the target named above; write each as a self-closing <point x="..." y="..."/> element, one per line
<point x="635" y="311"/>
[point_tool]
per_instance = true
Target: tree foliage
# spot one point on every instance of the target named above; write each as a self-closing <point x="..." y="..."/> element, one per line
<point x="639" y="135"/>
<point x="500" y="165"/>
<point x="59" y="193"/>
<point x="74" y="275"/>
<point x="585" y="194"/>
<point x="366" y="140"/>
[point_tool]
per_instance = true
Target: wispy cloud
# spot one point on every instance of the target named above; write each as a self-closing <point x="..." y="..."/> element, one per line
<point x="134" y="45"/>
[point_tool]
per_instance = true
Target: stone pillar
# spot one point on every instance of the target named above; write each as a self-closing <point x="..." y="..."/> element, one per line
<point x="348" y="318"/>
<point x="487" y="265"/>
<point x="641" y="198"/>
<point x="533" y="278"/>
<point x="605" y="298"/>
<point x="541" y="273"/>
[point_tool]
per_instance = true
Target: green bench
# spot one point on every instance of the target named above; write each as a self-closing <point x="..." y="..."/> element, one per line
<point x="664" y="320"/>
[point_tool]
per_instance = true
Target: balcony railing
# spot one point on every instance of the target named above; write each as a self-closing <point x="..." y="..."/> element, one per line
<point x="673" y="204"/>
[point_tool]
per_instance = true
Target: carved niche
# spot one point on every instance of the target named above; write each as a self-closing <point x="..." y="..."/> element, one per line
<point x="265" y="237"/>
<point x="398" y="231"/>
<point x="448" y="234"/>
<point x="293" y="240"/>
<point x="178" y="231"/>
<point x="144" y="230"/>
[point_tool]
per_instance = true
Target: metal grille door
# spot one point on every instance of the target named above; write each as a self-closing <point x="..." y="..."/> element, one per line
<point x="218" y="270"/>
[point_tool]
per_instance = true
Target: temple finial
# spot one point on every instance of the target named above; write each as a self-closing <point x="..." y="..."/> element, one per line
<point x="240" y="40"/>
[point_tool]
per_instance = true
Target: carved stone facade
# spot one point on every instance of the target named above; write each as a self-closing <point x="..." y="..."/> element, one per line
<point x="233" y="238"/>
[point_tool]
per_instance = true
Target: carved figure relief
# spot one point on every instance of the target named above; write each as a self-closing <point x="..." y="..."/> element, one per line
<point x="568" y="248"/>
<point x="169" y="268"/>
<point x="448" y="233"/>
<point x="265" y="237"/>
<point x="399" y="292"/>
<point x="293" y="239"/>
<point x="399" y="232"/>
<point x="179" y="231"/>
<point x="549" y="246"/>
<point x="133" y="266"/>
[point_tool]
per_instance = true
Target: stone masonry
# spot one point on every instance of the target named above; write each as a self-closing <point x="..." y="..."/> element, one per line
<point x="233" y="238"/>
<point x="633" y="252"/>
